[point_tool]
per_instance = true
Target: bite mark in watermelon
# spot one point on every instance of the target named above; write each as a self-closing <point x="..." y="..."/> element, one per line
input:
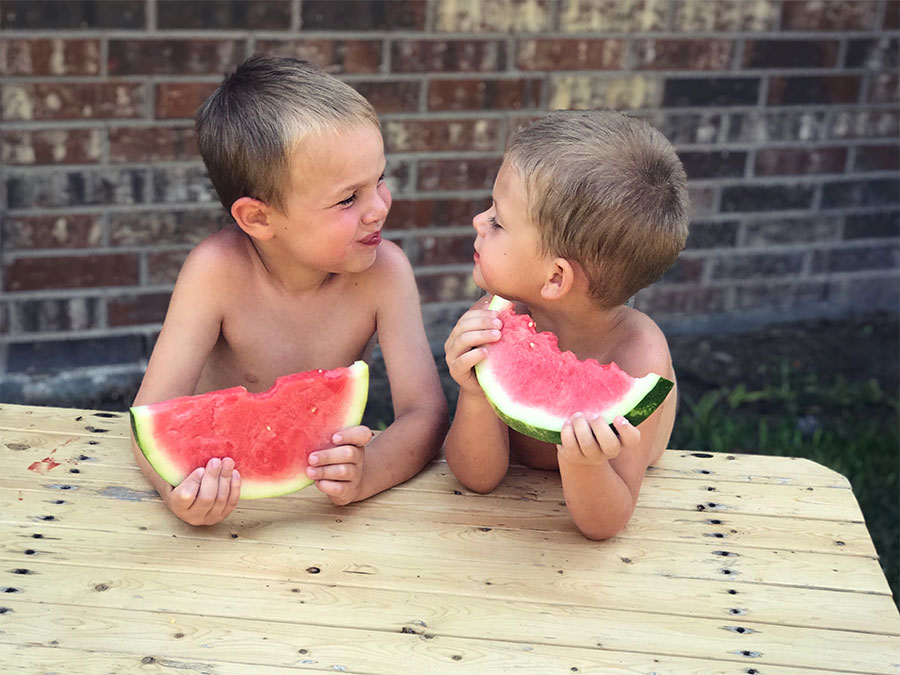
<point x="270" y="435"/>
<point x="534" y="387"/>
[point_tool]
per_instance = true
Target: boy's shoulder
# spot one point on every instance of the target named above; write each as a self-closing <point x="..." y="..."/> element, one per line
<point x="390" y="263"/>
<point x="639" y="345"/>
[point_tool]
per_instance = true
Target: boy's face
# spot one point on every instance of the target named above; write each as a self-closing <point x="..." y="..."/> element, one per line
<point x="508" y="259"/>
<point x="336" y="200"/>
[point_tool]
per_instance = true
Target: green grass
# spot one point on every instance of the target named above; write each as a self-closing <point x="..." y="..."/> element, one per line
<point x="851" y="427"/>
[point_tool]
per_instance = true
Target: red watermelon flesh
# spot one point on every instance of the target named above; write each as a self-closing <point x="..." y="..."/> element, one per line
<point x="535" y="387"/>
<point x="270" y="435"/>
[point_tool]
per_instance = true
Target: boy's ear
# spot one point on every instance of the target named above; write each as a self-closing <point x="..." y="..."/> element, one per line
<point x="252" y="216"/>
<point x="560" y="279"/>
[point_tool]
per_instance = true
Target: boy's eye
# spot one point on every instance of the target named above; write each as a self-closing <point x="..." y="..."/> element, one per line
<point x="492" y="221"/>
<point x="348" y="201"/>
<point x="381" y="179"/>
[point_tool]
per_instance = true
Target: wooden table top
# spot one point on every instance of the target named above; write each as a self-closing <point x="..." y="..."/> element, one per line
<point x="731" y="564"/>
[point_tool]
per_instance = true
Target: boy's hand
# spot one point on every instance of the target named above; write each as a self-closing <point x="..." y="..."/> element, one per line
<point x="593" y="442"/>
<point x="338" y="471"/>
<point x="475" y="328"/>
<point x="208" y="495"/>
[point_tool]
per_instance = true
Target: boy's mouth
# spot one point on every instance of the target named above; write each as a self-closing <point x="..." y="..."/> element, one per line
<point x="475" y="257"/>
<point x="372" y="240"/>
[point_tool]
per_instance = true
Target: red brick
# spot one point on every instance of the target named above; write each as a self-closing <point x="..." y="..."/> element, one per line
<point x="442" y="56"/>
<point x="877" y="158"/>
<point x="144" y="228"/>
<point x="565" y="54"/>
<point x="64" y="231"/>
<point x="484" y="94"/>
<point x="458" y="174"/>
<point x="441" y="135"/>
<point x="791" y="53"/>
<point x="164" y="266"/>
<point x="668" y="54"/>
<point x="57" y="146"/>
<point x="409" y="214"/>
<point x="82" y="100"/>
<point x="814" y="89"/>
<point x="333" y="56"/>
<point x="152" y="144"/>
<point x="133" y="310"/>
<point x="390" y="97"/>
<point x="447" y="287"/>
<point x="799" y="161"/>
<point x="828" y="15"/>
<point x="90" y="271"/>
<point x="891" y="15"/>
<point x="36" y="57"/>
<point x="181" y="99"/>
<point x="174" y="57"/>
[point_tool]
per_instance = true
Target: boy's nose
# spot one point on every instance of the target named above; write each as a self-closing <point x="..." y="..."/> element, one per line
<point x="479" y="222"/>
<point x="378" y="209"/>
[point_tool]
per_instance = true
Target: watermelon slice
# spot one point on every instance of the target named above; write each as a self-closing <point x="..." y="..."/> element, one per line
<point x="534" y="387"/>
<point x="269" y="435"/>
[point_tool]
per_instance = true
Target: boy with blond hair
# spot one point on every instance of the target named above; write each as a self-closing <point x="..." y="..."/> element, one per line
<point x="302" y="280"/>
<point x="588" y="208"/>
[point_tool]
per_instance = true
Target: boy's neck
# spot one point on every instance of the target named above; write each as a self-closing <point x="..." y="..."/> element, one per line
<point x="576" y="322"/>
<point x="290" y="278"/>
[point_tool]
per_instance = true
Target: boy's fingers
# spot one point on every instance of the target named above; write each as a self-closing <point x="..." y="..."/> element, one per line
<point x="185" y="493"/>
<point x="628" y="433"/>
<point x="479" y="337"/>
<point x="610" y="444"/>
<point x="224" y="486"/>
<point x="358" y="435"/>
<point x="234" y="491"/>
<point x="209" y="485"/>
<point x="584" y="434"/>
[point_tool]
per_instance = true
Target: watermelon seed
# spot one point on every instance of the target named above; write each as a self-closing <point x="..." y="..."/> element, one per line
<point x="178" y="636"/>
<point x="95" y="430"/>
<point x="79" y="418"/>
<point x="312" y="410"/>
<point x="234" y="535"/>
<point x="714" y="521"/>
<point x="456" y="657"/>
<point x="295" y="590"/>
<point x="93" y="442"/>
<point x="702" y="455"/>
<point x="30" y="551"/>
<point x="105" y="414"/>
<point x="48" y="517"/>
<point x="705" y="472"/>
<point x="83" y="458"/>
<point x="303" y="651"/>
<point x="484" y="529"/>
<point x="717" y="535"/>
<point x="22" y="570"/>
<point x="37" y="536"/>
<point x="710" y="489"/>
<point x="700" y="507"/>
<point x="148" y="659"/>
<point x="840" y="543"/>
<point x="627" y="561"/>
<point x="457" y="492"/>
<point x="313" y="570"/>
<point x="10" y="589"/>
<point x="4" y="610"/>
<point x="74" y="471"/>
<point x="731" y="591"/>
<point x="101" y="587"/>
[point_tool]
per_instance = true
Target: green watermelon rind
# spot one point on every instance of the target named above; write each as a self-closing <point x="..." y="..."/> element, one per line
<point x="645" y="396"/>
<point x="142" y="426"/>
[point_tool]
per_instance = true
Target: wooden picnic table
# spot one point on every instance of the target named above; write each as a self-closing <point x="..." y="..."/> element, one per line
<point x="732" y="563"/>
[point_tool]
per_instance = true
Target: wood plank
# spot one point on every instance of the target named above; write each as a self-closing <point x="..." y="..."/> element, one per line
<point x="70" y="421"/>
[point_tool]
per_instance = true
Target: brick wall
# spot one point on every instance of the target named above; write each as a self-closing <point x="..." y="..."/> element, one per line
<point x="785" y="113"/>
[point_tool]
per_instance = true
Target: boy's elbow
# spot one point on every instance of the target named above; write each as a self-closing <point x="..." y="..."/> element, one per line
<point x="606" y="528"/>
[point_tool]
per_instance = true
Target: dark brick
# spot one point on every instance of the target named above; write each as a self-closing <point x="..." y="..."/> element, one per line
<point x="704" y="235"/>
<point x="877" y="158"/>
<point x="390" y="97"/>
<point x="447" y="287"/>
<point x="872" y="225"/>
<point x="713" y="164"/>
<point x="71" y="14"/>
<point x="506" y="94"/>
<point x="57" y="146"/>
<point x="163" y="267"/>
<point x="873" y="53"/>
<point x="891" y="16"/>
<point x="671" y="54"/>
<point x="685" y="270"/>
<point x="865" y="258"/>
<point x="885" y="88"/>
<point x="180" y="184"/>
<point x="799" y="161"/>
<point x="133" y="310"/>
<point x="89" y="271"/>
<point x="703" y="200"/>
<point x="879" y="192"/>
<point x="57" y="355"/>
<point x="865" y="124"/>
<point x="758" y="265"/>
<point x="62" y="231"/>
<point x="39" y="316"/>
<point x="223" y="14"/>
<point x="458" y="174"/>
<point x="814" y="89"/>
<point x="878" y="293"/>
<point x="828" y="15"/>
<point x="437" y="135"/>
<point x="710" y="91"/>
<point x="152" y="144"/>
<point x="783" y="296"/>
<point x="38" y="101"/>
<point x="436" y="249"/>
<point x="76" y="188"/>
<point x="181" y="99"/>
<point x="791" y="53"/>
<point x="801" y="125"/>
<point x="771" y="231"/>
<point x="564" y="54"/>
<point x="39" y="57"/>
<point x="174" y="57"/>
<point x="737" y="198"/>
<point x="338" y="15"/>
<point x="685" y="128"/>
<point x="333" y="56"/>
<point x="671" y="301"/>
<point x="165" y="227"/>
<point x="445" y="56"/>
<point x="408" y="214"/>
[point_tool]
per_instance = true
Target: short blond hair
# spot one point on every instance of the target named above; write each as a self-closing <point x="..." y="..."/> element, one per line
<point x="249" y="126"/>
<point x="606" y="191"/>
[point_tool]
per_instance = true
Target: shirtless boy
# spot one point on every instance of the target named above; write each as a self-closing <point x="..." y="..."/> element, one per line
<point x="302" y="280"/>
<point x="588" y="208"/>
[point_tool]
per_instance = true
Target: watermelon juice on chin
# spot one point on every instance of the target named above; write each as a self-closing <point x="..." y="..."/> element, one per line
<point x="523" y="357"/>
<point x="269" y="435"/>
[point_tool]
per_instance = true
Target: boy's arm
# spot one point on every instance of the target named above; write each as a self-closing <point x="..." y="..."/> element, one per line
<point x="420" y="410"/>
<point x="602" y="470"/>
<point x="189" y="332"/>
<point x="477" y="446"/>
